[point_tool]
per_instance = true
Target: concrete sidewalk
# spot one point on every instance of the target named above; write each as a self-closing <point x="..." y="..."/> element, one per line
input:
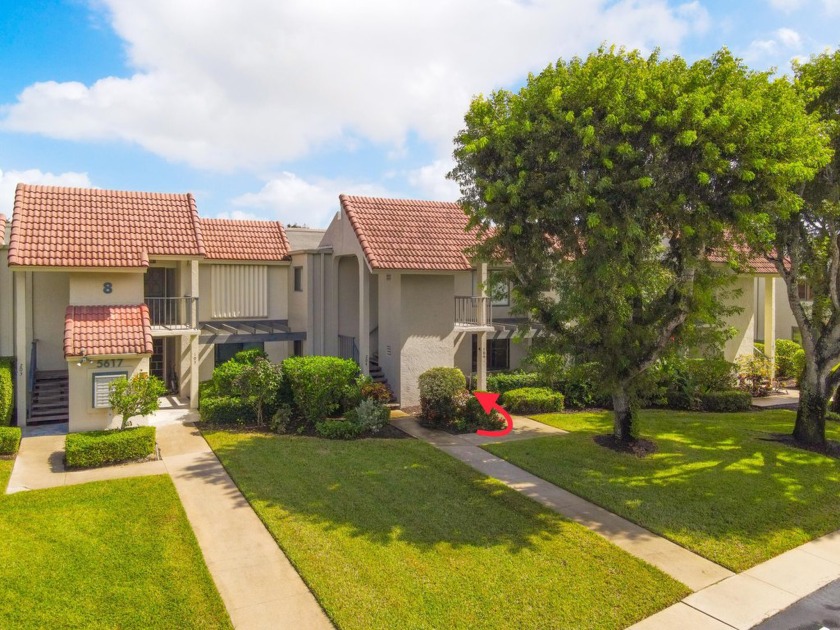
<point x="258" y="584"/>
<point x="692" y="570"/>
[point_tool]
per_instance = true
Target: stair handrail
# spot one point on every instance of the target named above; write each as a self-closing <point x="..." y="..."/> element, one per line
<point x="33" y="370"/>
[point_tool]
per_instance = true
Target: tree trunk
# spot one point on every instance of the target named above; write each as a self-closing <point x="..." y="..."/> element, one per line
<point x="810" y="417"/>
<point x="624" y="428"/>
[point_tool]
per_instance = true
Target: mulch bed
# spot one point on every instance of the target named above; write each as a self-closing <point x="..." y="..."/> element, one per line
<point x="831" y="449"/>
<point x="638" y="448"/>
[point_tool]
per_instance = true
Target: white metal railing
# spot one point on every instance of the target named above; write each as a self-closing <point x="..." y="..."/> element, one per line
<point x="173" y="312"/>
<point x="473" y="310"/>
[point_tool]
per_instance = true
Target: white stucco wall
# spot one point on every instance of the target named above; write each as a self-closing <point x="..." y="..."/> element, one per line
<point x="83" y="416"/>
<point x="744" y="322"/>
<point x="89" y="288"/>
<point x="427" y="336"/>
<point x="51" y="294"/>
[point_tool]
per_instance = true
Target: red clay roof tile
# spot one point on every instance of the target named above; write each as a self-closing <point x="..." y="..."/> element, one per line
<point x="226" y="239"/>
<point x="81" y="227"/>
<point x="410" y="234"/>
<point x="107" y="330"/>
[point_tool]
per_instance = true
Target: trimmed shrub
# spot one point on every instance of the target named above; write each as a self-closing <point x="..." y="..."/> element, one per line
<point x="471" y="416"/>
<point x="371" y="416"/>
<point x="438" y="388"/>
<point x="711" y="375"/>
<point x="135" y="396"/>
<point x="338" y="429"/>
<point x="832" y="416"/>
<point x="318" y="385"/>
<point x="9" y="440"/>
<point x="728" y="400"/>
<point x="98" y="448"/>
<point x="225" y="377"/>
<point x="227" y="410"/>
<point x="7" y="390"/>
<point x="785" y="351"/>
<point x="504" y="382"/>
<point x="680" y="399"/>
<point x="798" y="360"/>
<point x="533" y="400"/>
<point x="551" y="367"/>
<point x="249" y="356"/>
<point x="579" y="387"/>
<point x="259" y="383"/>
<point x="379" y="392"/>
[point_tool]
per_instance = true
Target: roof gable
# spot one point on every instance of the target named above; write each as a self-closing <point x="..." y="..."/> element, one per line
<point x="80" y="227"/>
<point x="226" y="239"/>
<point x="410" y="234"/>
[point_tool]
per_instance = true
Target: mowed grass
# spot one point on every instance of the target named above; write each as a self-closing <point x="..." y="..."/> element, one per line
<point x="394" y="534"/>
<point x="112" y="554"/>
<point x="716" y="485"/>
<point x="6" y="466"/>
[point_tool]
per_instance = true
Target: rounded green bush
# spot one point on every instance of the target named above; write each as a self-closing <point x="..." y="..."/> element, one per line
<point x="785" y="352"/>
<point x="7" y="392"/>
<point x="728" y="400"/>
<point x="97" y="448"/>
<point x="799" y="364"/>
<point x="338" y="429"/>
<point x="533" y="400"/>
<point x="9" y="440"/>
<point x="438" y="388"/>
<point x="227" y="410"/>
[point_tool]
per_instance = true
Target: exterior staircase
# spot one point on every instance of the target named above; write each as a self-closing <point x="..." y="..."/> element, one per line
<point x="378" y="376"/>
<point x="50" y="398"/>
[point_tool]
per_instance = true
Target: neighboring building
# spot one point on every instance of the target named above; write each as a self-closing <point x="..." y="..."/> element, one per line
<point x="107" y="284"/>
<point x="101" y="284"/>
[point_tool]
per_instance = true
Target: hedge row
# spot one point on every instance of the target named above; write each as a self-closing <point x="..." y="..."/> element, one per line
<point x="7" y="390"/>
<point x="533" y="400"/>
<point x="9" y="440"/>
<point x="97" y="448"/>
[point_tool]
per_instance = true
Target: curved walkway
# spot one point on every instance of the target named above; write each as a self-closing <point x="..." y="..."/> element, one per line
<point x="258" y="584"/>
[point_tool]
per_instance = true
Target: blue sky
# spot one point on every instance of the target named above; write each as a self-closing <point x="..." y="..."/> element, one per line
<point x="271" y="108"/>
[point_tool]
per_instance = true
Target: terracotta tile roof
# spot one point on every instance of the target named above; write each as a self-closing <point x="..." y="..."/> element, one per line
<point x="107" y="330"/>
<point x="2" y="229"/>
<point x="409" y="234"/>
<point x="81" y="227"/>
<point x="226" y="239"/>
<point x="754" y="264"/>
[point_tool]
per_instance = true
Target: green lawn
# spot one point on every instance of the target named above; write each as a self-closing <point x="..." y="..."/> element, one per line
<point x="714" y="486"/>
<point x="6" y="466"/>
<point x="113" y="554"/>
<point x="395" y="534"/>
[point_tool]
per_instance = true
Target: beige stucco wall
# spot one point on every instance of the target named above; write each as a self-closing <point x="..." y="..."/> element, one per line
<point x="50" y="297"/>
<point x="427" y="337"/>
<point x="88" y="288"/>
<point x="348" y="297"/>
<point x="7" y="330"/>
<point x="744" y="322"/>
<point x="277" y="287"/>
<point x="83" y="416"/>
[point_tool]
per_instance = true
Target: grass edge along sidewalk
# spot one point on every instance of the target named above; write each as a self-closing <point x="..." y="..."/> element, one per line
<point x="717" y="485"/>
<point x="393" y="533"/>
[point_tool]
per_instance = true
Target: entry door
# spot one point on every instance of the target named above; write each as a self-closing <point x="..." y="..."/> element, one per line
<point x="162" y="363"/>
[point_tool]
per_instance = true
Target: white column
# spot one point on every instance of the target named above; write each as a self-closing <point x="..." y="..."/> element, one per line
<point x="21" y="347"/>
<point x="364" y="317"/>
<point x="770" y="323"/>
<point x="194" y="283"/>
<point x="481" y="359"/>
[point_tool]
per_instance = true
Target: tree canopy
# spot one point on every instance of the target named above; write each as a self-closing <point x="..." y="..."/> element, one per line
<point x="606" y="182"/>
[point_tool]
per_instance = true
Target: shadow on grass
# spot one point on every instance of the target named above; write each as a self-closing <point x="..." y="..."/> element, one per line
<point x="715" y="485"/>
<point x="381" y="490"/>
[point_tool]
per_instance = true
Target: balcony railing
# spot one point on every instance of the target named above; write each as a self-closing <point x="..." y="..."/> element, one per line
<point x="173" y="313"/>
<point x="472" y="311"/>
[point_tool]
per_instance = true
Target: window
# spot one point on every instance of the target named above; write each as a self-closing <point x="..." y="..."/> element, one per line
<point x="805" y="292"/>
<point x="498" y="289"/>
<point x="298" y="278"/>
<point x="102" y="388"/>
<point x="297" y="348"/>
<point x="498" y="354"/>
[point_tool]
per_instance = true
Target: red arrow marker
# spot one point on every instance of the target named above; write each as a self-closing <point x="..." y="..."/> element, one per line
<point x="488" y="402"/>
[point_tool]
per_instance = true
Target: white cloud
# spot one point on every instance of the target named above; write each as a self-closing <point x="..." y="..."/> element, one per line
<point x="228" y="85"/>
<point x="832" y="7"/>
<point x="789" y="38"/>
<point x="292" y="199"/>
<point x="10" y="179"/>
<point x="431" y="181"/>
<point x="237" y="215"/>
<point x="788" y="6"/>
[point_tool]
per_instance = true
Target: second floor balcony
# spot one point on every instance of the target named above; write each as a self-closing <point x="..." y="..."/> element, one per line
<point x="175" y="314"/>
<point x="473" y="313"/>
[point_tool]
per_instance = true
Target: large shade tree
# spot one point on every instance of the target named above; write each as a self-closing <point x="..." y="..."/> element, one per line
<point x="807" y="252"/>
<point x="606" y="182"/>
